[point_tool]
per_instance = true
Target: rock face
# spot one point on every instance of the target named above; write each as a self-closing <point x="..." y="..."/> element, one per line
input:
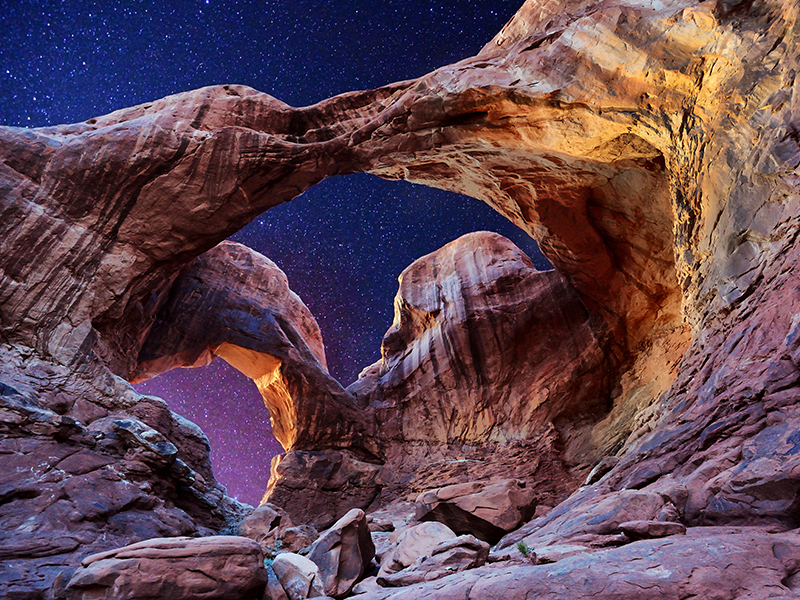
<point x="190" y="569"/>
<point x="468" y="319"/>
<point x="343" y="553"/>
<point x="446" y="558"/>
<point x="89" y="465"/>
<point x="272" y="528"/>
<point x="298" y="576"/>
<point x="651" y="148"/>
<point x="414" y="543"/>
<point x="466" y="323"/>
<point x="486" y="511"/>
<point x="710" y="563"/>
<point x="235" y="303"/>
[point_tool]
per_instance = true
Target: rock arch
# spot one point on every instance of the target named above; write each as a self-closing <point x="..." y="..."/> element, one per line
<point x="652" y="149"/>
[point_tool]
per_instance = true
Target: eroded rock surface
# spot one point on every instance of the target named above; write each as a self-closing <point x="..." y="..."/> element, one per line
<point x="87" y="465"/>
<point x="414" y="543"/>
<point x="706" y="563"/>
<point x="186" y="568"/>
<point x="235" y="303"/>
<point x="487" y="511"/>
<point x="272" y="528"/>
<point x="469" y="318"/>
<point x="298" y="576"/>
<point x="343" y="553"/>
<point x="651" y="148"/>
<point x="447" y="557"/>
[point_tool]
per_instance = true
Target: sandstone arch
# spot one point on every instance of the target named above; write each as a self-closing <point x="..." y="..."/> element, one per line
<point x="652" y="149"/>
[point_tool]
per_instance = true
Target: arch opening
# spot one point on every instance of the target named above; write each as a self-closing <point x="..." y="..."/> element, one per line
<point x="397" y="225"/>
<point x="220" y="400"/>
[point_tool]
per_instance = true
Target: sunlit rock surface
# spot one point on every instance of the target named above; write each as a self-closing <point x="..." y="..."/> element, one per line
<point x="448" y="397"/>
<point x="651" y="148"/>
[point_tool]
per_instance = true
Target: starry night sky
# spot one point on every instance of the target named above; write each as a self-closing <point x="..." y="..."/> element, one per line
<point x="344" y="242"/>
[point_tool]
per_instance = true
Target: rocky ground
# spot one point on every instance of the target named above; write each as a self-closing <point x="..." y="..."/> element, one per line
<point x="621" y="427"/>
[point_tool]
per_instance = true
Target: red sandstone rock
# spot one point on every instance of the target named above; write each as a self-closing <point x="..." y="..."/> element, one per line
<point x="194" y="569"/>
<point x="235" y="303"/>
<point x="272" y="528"/>
<point x="598" y="516"/>
<point x="413" y="543"/>
<point x="707" y="563"/>
<point x="318" y="488"/>
<point x="343" y="553"/>
<point x="650" y="147"/>
<point x="487" y="511"/>
<point x="298" y="576"/>
<point x="115" y="468"/>
<point x="447" y="557"/>
<point x="638" y="530"/>
<point x="462" y="334"/>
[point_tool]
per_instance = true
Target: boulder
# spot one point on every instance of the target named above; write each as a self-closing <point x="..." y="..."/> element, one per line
<point x="271" y="527"/>
<point x="368" y="584"/>
<point x="343" y="553"/>
<point x="640" y="530"/>
<point x="412" y="543"/>
<point x="486" y="510"/>
<point x="274" y="590"/>
<point x="298" y="576"/>
<point x="448" y="557"/>
<point x="185" y="568"/>
<point x="596" y="524"/>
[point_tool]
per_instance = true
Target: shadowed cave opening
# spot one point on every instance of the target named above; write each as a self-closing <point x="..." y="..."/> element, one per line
<point x="342" y="245"/>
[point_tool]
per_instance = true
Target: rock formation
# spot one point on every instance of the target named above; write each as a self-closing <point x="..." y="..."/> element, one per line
<point x="298" y="577"/>
<point x="90" y="465"/>
<point x="488" y="511"/>
<point x="651" y="148"/>
<point x="212" y="567"/>
<point x="343" y="553"/>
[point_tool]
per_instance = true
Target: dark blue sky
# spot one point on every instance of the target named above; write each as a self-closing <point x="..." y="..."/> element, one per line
<point x="342" y="243"/>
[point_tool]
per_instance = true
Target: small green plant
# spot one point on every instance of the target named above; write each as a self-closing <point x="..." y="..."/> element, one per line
<point x="523" y="548"/>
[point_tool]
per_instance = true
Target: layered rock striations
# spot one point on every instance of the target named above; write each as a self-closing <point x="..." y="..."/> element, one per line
<point x="88" y="465"/>
<point x="234" y="303"/>
<point x="651" y="149"/>
<point x="469" y="319"/>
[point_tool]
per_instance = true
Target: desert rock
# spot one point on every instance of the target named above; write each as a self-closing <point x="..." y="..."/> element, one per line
<point x="89" y="465"/>
<point x="272" y="528"/>
<point x="713" y="562"/>
<point x="487" y="511"/>
<point x="638" y="530"/>
<point x="194" y="569"/>
<point x="448" y="557"/>
<point x="651" y="149"/>
<point x="298" y="576"/>
<point x="343" y="553"/>
<point x="413" y="543"/>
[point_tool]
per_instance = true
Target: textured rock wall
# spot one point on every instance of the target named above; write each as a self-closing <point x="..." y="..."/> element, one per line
<point x="87" y="464"/>
<point x="469" y="319"/>
<point x="235" y="303"/>
<point x="651" y="148"/>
